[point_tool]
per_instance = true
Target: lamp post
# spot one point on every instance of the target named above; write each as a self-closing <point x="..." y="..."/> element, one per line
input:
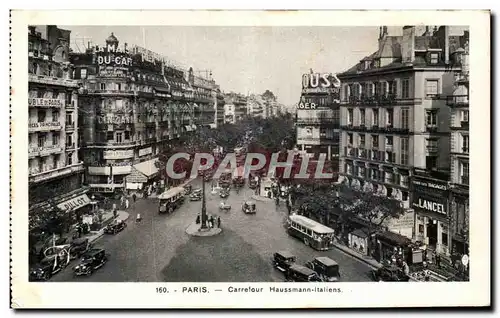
<point x="203" y="204"/>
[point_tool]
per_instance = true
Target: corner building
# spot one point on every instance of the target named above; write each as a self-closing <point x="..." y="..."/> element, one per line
<point x="133" y="106"/>
<point x="394" y="115"/>
<point x="54" y="169"/>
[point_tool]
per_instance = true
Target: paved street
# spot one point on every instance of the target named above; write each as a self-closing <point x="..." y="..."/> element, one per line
<point x="158" y="249"/>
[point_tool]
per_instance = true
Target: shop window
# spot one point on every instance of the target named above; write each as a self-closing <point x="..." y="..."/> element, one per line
<point x="421" y="228"/>
<point x="444" y="238"/>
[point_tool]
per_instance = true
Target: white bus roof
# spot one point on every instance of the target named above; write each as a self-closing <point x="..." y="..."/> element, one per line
<point x="171" y="193"/>
<point x="311" y="224"/>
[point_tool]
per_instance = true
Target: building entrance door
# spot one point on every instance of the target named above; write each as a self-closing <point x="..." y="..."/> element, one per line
<point x="432" y="233"/>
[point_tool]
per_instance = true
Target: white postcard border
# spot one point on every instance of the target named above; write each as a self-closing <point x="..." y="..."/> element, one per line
<point x="144" y="295"/>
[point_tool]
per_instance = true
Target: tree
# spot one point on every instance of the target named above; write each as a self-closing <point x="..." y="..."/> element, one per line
<point x="375" y="209"/>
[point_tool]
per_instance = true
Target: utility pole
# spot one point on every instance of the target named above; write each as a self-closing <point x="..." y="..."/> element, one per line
<point x="203" y="204"/>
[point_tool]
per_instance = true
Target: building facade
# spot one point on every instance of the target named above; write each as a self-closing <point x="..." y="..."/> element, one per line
<point x="133" y="107"/>
<point x="205" y="100"/>
<point x="255" y="106"/>
<point x="55" y="170"/>
<point x="459" y="150"/>
<point x="235" y="107"/>
<point x="318" y="116"/>
<point x="394" y="114"/>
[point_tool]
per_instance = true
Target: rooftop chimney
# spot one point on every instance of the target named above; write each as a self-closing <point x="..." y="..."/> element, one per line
<point x="408" y="44"/>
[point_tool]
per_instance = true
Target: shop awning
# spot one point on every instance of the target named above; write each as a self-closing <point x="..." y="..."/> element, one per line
<point x="393" y="238"/>
<point x="75" y="203"/>
<point x="147" y="168"/>
<point x="188" y="128"/>
<point x="212" y="126"/>
<point x="194" y="127"/>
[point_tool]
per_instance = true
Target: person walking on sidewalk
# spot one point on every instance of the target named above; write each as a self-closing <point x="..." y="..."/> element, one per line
<point x="218" y="222"/>
<point x="127" y="203"/>
<point x="134" y="197"/>
<point x="115" y="211"/>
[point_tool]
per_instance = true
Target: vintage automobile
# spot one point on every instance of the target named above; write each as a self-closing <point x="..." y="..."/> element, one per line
<point x="253" y="182"/>
<point x="195" y="196"/>
<point x="224" y="206"/>
<point x="326" y="268"/>
<point x="224" y="193"/>
<point x="78" y="247"/>
<point x="188" y="189"/>
<point x="299" y="273"/>
<point x="115" y="227"/>
<point x="49" y="266"/>
<point x="282" y="260"/>
<point x="248" y="207"/>
<point x="91" y="261"/>
<point x="389" y="273"/>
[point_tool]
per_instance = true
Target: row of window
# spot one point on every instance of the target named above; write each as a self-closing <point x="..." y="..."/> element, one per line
<point x="52" y="94"/>
<point x="41" y="116"/>
<point x="388" y="156"/>
<point x="376" y="174"/>
<point x="42" y="140"/>
<point x="52" y="162"/>
<point x="375" y="118"/>
<point x="389" y="88"/>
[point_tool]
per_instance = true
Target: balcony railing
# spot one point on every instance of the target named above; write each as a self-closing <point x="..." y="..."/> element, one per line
<point x="464" y="179"/>
<point x="432" y="148"/>
<point x="431" y="128"/>
<point x="376" y="129"/>
<point x="50" y="80"/>
<point x="458" y="101"/>
<point x="36" y="176"/>
<point x="318" y="120"/>
<point x="388" y="100"/>
<point x="112" y="143"/>
<point x="111" y="92"/>
<point x="44" y="126"/>
<point x="70" y="126"/>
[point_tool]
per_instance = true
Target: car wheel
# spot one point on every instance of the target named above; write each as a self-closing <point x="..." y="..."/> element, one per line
<point x="89" y="272"/>
<point x="306" y="242"/>
<point x="46" y="276"/>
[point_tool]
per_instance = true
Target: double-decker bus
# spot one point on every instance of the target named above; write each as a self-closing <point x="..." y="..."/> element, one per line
<point x="314" y="234"/>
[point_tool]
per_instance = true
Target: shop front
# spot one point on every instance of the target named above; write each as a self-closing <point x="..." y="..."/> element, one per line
<point x="430" y="202"/>
<point x="143" y="175"/>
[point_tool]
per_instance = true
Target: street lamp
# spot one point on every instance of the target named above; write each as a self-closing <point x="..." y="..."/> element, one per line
<point x="203" y="204"/>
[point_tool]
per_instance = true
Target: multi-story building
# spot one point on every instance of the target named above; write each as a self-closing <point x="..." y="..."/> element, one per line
<point x="254" y="107"/>
<point x="204" y="101"/>
<point x="459" y="150"/>
<point x="236" y="107"/>
<point x="394" y="117"/>
<point x="318" y="117"/>
<point x="219" y="106"/>
<point x="134" y="106"/>
<point x="55" y="171"/>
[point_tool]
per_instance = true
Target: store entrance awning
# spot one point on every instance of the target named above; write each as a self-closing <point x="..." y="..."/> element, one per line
<point x="75" y="203"/>
<point x="147" y="168"/>
<point x="162" y="89"/>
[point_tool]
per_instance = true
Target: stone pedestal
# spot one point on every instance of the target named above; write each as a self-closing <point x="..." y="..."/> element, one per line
<point x="195" y="230"/>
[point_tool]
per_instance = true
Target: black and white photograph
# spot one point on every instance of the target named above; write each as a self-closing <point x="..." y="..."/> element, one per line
<point x="211" y="158"/>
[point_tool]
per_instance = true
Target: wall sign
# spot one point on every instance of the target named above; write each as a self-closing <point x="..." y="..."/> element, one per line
<point x="118" y="154"/>
<point x="145" y="151"/>
<point x="74" y="203"/>
<point x="430" y="204"/>
<point x="45" y="102"/>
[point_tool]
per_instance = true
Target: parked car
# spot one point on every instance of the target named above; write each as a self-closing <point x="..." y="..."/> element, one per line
<point x="90" y="262"/>
<point x="389" y="273"/>
<point x="326" y="268"/>
<point x="115" y="227"/>
<point x="282" y="260"/>
<point x="248" y="207"/>
<point x="195" y="197"/>
<point x="224" y="193"/>
<point x="48" y="266"/>
<point x="299" y="273"/>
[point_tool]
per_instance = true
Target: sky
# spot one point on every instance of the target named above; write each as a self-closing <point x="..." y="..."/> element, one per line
<point x="248" y="59"/>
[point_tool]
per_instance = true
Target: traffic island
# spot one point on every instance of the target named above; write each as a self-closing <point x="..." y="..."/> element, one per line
<point x="261" y="198"/>
<point x="195" y="230"/>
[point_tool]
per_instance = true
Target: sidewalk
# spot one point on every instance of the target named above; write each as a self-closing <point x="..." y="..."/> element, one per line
<point x="107" y="218"/>
<point x="366" y="259"/>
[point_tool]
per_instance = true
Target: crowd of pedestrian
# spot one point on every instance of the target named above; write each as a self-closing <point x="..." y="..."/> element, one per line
<point x="212" y="221"/>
